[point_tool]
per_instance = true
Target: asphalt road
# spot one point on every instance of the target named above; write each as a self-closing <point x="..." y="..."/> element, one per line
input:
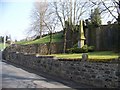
<point x="15" y="77"/>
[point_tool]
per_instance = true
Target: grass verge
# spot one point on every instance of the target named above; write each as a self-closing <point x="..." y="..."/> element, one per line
<point x="91" y="55"/>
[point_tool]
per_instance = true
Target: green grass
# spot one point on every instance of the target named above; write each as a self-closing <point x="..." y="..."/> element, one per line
<point x="2" y="46"/>
<point x="21" y="42"/>
<point x="91" y="55"/>
<point x="56" y="38"/>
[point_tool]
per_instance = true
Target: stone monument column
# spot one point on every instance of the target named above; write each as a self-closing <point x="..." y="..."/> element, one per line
<point x="81" y="35"/>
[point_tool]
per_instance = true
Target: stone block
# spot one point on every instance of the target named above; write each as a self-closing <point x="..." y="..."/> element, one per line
<point x="84" y="57"/>
<point x="118" y="74"/>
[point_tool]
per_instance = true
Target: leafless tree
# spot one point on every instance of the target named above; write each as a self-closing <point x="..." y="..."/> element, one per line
<point x="113" y="8"/>
<point x="71" y="11"/>
<point x="50" y="22"/>
<point x="62" y="12"/>
<point x="67" y="10"/>
<point x="38" y="15"/>
<point x="108" y="8"/>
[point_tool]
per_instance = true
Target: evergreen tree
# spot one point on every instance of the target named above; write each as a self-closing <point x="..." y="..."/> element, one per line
<point x="95" y="17"/>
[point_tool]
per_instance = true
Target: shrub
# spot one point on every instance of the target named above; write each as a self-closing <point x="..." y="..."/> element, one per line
<point x="75" y="45"/>
<point x="91" y="48"/>
<point x="69" y="50"/>
<point x="85" y="48"/>
<point x="77" y="50"/>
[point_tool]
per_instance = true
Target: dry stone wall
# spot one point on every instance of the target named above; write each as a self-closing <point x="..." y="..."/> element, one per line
<point x="42" y="49"/>
<point x="98" y="74"/>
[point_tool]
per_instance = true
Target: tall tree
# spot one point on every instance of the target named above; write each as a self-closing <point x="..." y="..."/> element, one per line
<point x="62" y="14"/>
<point x="108" y="8"/>
<point x="41" y="8"/>
<point x="71" y="11"/>
<point x="38" y="15"/>
<point x="95" y="17"/>
<point x="50" y="22"/>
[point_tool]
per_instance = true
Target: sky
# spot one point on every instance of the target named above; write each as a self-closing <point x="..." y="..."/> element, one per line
<point x="15" y="18"/>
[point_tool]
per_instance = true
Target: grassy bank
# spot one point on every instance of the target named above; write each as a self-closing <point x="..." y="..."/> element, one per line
<point x="56" y="38"/>
<point x="91" y="55"/>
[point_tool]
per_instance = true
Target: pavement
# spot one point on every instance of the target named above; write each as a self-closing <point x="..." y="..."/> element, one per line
<point x="16" y="77"/>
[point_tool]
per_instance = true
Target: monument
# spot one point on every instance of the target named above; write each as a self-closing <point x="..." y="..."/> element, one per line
<point x="81" y="35"/>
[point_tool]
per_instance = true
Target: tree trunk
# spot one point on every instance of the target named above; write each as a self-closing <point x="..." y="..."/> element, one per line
<point x="41" y="27"/>
<point x="50" y="43"/>
<point x="72" y="37"/>
<point x="64" y="47"/>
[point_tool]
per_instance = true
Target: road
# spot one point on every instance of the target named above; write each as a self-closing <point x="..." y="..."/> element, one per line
<point x="15" y="77"/>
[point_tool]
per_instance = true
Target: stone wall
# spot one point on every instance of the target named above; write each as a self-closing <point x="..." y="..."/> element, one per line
<point x="42" y="49"/>
<point x="98" y="74"/>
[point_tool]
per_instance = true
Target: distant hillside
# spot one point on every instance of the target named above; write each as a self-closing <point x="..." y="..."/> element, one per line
<point x="57" y="37"/>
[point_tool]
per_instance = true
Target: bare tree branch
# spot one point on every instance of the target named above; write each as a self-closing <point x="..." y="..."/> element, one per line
<point x="108" y="10"/>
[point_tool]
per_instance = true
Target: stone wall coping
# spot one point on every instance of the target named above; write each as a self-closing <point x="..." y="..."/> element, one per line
<point x="41" y="56"/>
<point x="69" y="59"/>
<point x="110" y="61"/>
